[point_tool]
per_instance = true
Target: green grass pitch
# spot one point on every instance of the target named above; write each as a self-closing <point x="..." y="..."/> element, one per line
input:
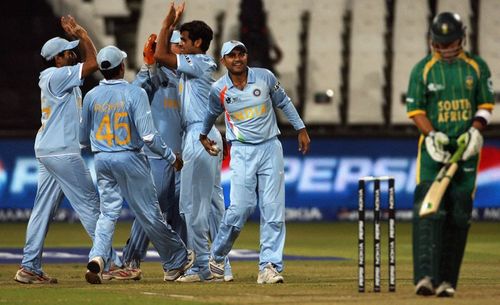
<point x="306" y="282"/>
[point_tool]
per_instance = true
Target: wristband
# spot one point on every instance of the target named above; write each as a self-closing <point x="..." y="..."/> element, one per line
<point x="483" y="116"/>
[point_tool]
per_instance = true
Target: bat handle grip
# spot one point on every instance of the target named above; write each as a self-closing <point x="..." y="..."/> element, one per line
<point x="458" y="154"/>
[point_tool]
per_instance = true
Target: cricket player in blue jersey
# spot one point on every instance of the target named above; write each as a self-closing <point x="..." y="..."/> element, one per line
<point x="201" y="171"/>
<point x="61" y="168"/>
<point x="117" y="122"/>
<point x="247" y="96"/>
<point x="161" y="85"/>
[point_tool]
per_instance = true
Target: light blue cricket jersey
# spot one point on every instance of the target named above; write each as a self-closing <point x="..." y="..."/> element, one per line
<point x="61" y="101"/>
<point x="249" y="113"/>
<point x="194" y="86"/>
<point x="116" y="116"/>
<point x="161" y="88"/>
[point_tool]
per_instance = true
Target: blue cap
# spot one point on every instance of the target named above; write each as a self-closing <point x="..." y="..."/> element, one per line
<point x="228" y="46"/>
<point x="56" y="45"/>
<point x="110" y="57"/>
<point x="176" y="37"/>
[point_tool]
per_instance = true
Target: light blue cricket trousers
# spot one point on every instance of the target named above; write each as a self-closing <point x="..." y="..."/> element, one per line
<point x="197" y="186"/>
<point x="217" y="209"/>
<point x="255" y="169"/>
<point x="128" y="174"/>
<point x="57" y="176"/>
<point x="167" y="183"/>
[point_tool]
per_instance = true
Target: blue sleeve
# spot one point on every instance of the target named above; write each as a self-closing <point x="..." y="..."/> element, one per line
<point x="281" y="100"/>
<point x="215" y="108"/>
<point x="162" y="77"/>
<point x="190" y="65"/>
<point x="143" y="121"/>
<point x="144" y="80"/>
<point x="84" y="133"/>
<point x="64" y="79"/>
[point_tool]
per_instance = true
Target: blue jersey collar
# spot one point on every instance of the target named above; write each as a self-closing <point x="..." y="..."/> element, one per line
<point x="250" y="78"/>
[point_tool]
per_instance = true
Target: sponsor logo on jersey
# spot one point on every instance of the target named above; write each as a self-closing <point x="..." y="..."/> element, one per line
<point x="249" y="113"/>
<point x="256" y="92"/>
<point x="410" y="100"/>
<point x="229" y="100"/>
<point x="188" y="59"/>
<point x="435" y="87"/>
<point x="490" y="85"/>
<point x="276" y="87"/>
<point x="469" y="82"/>
<point x="454" y="110"/>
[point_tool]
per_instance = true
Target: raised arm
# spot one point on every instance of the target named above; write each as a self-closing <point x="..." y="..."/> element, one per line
<point x="86" y="46"/>
<point x="163" y="54"/>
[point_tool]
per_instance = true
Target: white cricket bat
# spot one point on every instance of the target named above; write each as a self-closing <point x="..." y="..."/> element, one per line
<point x="434" y="195"/>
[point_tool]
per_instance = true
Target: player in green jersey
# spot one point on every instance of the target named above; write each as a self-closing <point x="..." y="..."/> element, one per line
<point x="450" y="99"/>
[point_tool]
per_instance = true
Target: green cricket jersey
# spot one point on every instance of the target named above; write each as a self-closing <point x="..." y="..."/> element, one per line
<point x="450" y="93"/>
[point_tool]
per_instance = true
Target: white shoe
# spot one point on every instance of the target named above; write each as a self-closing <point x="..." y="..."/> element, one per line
<point x="173" y="274"/>
<point x="425" y="287"/>
<point x="269" y="275"/>
<point x="189" y="278"/>
<point x="94" y="272"/>
<point x="445" y="290"/>
<point x="228" y="278"/>
<point x="217" y="269"/>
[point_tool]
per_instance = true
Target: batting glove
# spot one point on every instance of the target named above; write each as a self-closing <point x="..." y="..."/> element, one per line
<point x="434" y="143"/>
<point x="473" y="141"/>
<point x="149" y="50"/>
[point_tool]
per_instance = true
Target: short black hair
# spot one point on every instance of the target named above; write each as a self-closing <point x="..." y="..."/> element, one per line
<point x="198" y="29"/>
<point x="111" y="73"/>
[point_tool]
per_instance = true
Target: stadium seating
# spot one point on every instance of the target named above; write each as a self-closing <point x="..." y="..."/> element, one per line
<point x="87" y="16"/>
<point x="359" y="52"/>
<point x="489" y="44"/>
<point x="324" y="61"/>
<point x="366" y="62"/>
<point x="284" y="20"/>
<point x="410" y="45"/>
<point x="111" y="8"/>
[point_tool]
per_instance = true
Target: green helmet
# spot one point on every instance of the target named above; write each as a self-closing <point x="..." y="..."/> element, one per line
<point x="446" y="28"/>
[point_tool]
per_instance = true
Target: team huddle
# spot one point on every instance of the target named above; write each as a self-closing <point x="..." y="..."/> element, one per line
<point x="155" y="145"/>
